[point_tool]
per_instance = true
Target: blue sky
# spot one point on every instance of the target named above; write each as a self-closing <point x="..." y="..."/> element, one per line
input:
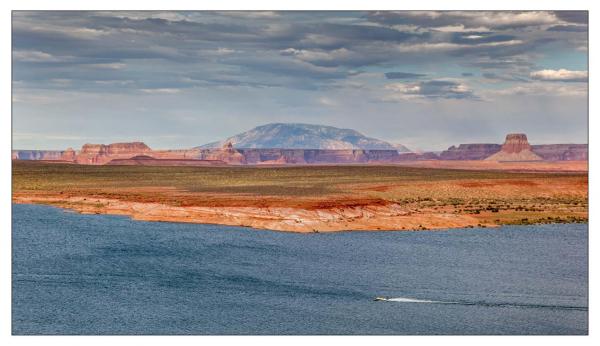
<point x="426" y="79"/>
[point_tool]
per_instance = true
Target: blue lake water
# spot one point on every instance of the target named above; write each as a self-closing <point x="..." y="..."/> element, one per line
<point x="102" y="274"/>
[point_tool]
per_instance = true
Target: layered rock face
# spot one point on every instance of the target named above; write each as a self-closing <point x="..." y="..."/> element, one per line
<point x="226" y="154"/>
<point x="138" y="153"/>
<point x="515" y="143"/>
<point x="418" y="156"/>
<point x="144" y="160"/>
<point x="561" y="152"/>
<point x="69" y="155"/>
<point x="98" y="154"/>
<point x="317" y="156"/>
<point x="477" y="151"/>
<point x="515" y="148"/>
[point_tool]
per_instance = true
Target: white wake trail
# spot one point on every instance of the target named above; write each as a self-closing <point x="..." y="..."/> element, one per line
<point x="412" y="300"/>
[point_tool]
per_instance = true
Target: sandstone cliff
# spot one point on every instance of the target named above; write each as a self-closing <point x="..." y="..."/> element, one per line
<point x="562" y="152"/>
<point x="477" y="151"/>
<point x="98" y="154"/>
<point x="144" y="160"/>
<point x="517" y="142"/>
<point x="515" y="148"/>
<point x="418" y="156"/>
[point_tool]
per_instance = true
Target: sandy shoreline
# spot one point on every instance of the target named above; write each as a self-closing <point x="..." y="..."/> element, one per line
<point x="392" y="217"/>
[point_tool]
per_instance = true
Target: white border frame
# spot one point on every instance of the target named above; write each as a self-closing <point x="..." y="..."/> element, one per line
<point x="5" y="164"/>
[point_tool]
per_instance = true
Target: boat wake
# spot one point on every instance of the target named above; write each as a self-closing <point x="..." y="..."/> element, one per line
<point x="483" y="303"/>
<point x="412" y="300"/>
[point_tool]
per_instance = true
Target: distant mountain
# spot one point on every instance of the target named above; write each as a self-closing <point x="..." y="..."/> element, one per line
<point x="304" y="136"/>
<point x="401" y="148"/>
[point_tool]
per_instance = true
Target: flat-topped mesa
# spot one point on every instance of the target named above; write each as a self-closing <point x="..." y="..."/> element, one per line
<point x="115" y="148"/>
<point x="475" y="151"/>
<point x="515" y="143"/>
<point x="561" y="152"/>
<point x="126" y="148"/>
<point x="98" y="154"/>
<point x="515" y="148"/>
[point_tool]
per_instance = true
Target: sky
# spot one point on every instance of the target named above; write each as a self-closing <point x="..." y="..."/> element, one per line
<point x="427" y="79"/>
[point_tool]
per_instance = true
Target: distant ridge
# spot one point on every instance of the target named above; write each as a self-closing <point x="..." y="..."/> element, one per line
<point x="304" y="136"/>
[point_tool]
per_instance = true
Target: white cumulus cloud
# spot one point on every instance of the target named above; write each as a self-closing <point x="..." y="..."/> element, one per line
<point x="561" y="75"/>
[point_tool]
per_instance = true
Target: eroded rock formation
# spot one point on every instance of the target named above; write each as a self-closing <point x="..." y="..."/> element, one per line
<point x="517" y="143"/>
<point x="515" y="148"/>
<point x="98" y="154"/>
<point x="561" y="152"/>
<point x="476" y="151"/>
<point x="144" y="160"/>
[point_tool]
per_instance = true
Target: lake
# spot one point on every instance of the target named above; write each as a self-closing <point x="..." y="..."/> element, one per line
<point x="103" y="274"/>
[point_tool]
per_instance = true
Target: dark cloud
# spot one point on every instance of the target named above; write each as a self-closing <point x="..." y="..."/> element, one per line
<point x="444" y="89"/>
<point x="431" y="89"/>
<point x="568" y="28"/>
<point x="580" y="17"/>
<point x="504" y="77"/>
<point x="403" y="75"/>
<point x="304" y="50"/>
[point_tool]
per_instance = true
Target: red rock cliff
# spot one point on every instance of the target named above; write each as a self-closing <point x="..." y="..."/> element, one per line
<point x="515" y="143"/>
<point x="515" y="148"/>
<point x="476" y="151"/>
<point x="98" y="154"/>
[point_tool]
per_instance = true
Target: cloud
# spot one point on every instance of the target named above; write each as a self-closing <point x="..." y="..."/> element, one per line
<point x="561" y="75"/>
<point x="161" y="91"/>
<point x="321" y="57"/>
<point x="503" y="78"/>
<point x="541" y="89"/>
<point x="432" y="89"/>
<point x="251" y="14"/>
<point x="569" y="28"/>
<point x="467" y="19"/>
<point x="110" y="66"/>
<point x="293" y="49"/>
<point x="326" y="101"/>
<point x="33" y="56"/>
<point x="442" y="47"/>
<point x="403" y="75"/>
<point x="580" y="17"/>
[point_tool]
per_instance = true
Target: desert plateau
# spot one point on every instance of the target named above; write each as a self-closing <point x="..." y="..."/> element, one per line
<point x="308" y="198"/>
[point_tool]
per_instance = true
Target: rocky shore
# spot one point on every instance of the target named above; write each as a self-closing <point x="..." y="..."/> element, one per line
<point x="377" y="217"/>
